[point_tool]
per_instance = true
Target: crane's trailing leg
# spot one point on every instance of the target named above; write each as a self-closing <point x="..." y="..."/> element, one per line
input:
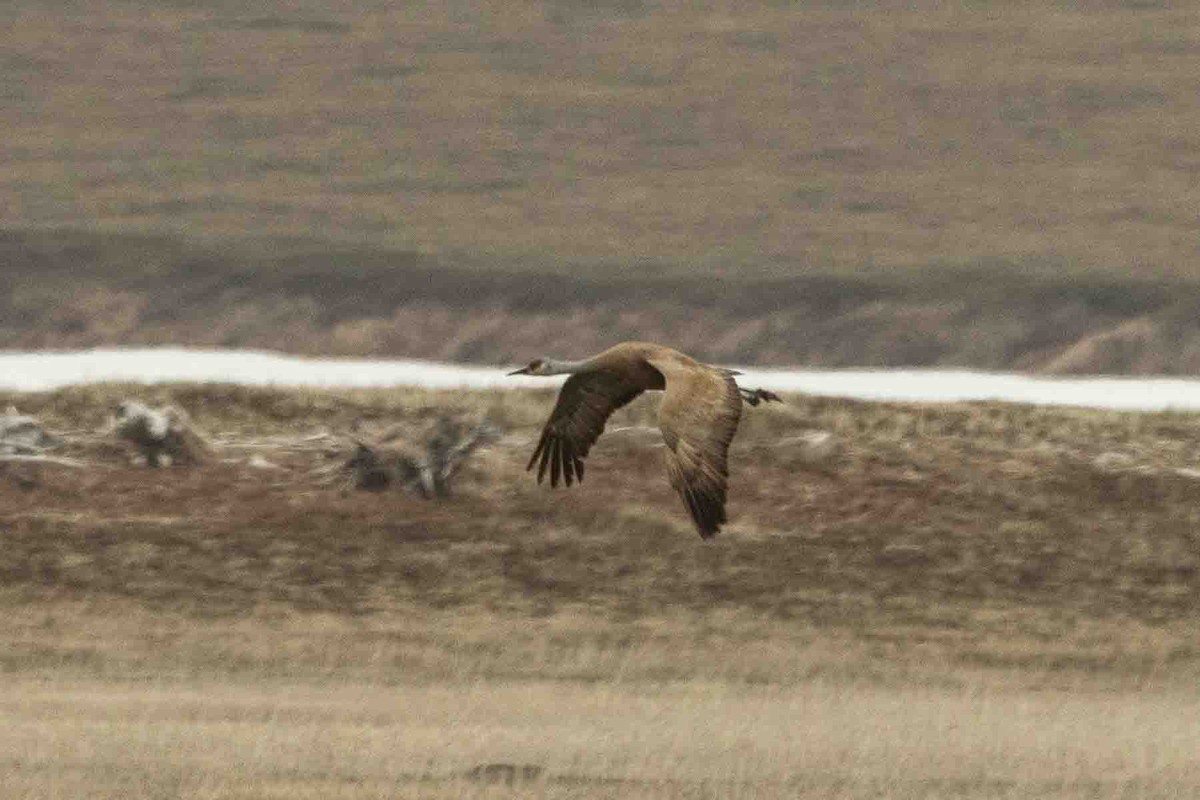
<point x="756" y="396"/>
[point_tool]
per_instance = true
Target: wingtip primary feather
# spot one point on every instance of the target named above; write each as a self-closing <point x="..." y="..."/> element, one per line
<point x="537" y="451"/>
<point x="568" y="459"/>
<point x="555" y="461"/>
<point x="706" y="514"/>
<point x="543" y="463"/>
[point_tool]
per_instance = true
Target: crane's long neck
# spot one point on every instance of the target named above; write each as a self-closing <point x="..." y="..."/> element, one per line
<point x="554" y="366"/>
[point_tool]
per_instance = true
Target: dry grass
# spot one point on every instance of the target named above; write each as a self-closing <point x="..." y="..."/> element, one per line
<point x="965" y="603"/>
<point x="277" y="740"/>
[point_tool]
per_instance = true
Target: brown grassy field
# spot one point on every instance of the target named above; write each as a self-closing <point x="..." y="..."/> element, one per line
<point x="999" y="185"/>
<point x="731" y="137"/>
<point x="967" y="601"/>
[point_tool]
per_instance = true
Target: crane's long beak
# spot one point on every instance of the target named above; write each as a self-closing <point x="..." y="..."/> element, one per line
<point x="521" y="371"/>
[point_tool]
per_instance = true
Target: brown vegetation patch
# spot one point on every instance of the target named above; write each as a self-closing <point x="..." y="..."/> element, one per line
<point x="978" y="522"/>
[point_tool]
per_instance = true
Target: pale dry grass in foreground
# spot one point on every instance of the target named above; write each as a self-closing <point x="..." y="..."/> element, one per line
<point x="72" y="738"/>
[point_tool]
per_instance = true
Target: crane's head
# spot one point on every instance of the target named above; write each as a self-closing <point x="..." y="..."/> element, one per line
<point x="538" y="366"/>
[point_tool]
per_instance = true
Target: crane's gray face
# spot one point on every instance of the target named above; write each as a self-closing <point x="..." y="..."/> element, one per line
<point x="535" y="367"/>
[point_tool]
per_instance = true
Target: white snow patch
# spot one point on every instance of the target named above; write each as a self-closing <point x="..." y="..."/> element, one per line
<point x="46" y="370"/>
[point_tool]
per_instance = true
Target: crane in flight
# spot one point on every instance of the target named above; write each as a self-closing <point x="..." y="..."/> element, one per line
<point x="698" y="417"/>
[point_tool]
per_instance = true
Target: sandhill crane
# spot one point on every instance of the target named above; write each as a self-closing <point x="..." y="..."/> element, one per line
<point x="698" y="418"/>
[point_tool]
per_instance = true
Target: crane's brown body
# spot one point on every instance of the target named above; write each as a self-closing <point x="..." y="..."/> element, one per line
<point x="698" y="418"/>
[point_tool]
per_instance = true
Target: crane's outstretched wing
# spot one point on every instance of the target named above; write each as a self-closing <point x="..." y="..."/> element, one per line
<point x="698" y="418"/>
<point x="585" y="403"/>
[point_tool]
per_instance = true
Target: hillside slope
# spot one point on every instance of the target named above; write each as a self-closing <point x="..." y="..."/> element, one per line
<point x="71" y="289"/>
